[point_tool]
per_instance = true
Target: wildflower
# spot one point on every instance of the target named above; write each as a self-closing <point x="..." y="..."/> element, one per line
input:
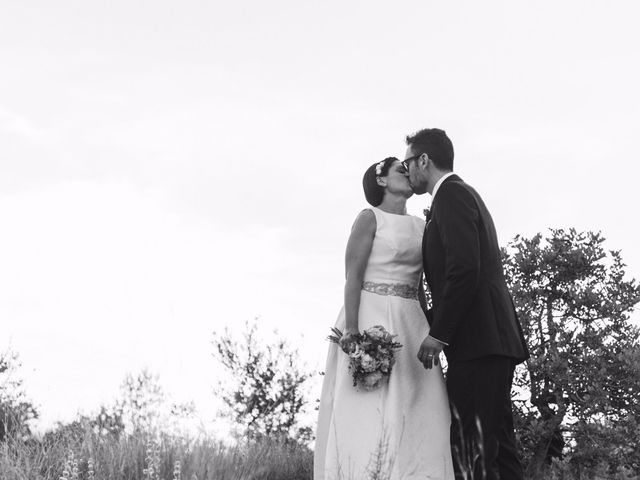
<point x="177" y="470"/>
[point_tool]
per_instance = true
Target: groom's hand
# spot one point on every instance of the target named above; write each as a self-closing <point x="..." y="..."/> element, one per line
<point x="429" y="354"/>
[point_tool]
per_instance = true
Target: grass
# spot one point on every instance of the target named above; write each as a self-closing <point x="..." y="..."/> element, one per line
<point x="81" y="454"/>
<point x="87" y="456"/>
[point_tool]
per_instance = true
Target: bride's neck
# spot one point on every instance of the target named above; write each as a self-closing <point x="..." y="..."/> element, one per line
<point x="393" y="204"/>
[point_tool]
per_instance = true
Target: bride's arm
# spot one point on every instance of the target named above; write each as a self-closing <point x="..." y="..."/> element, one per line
<point x="356" y="258"/>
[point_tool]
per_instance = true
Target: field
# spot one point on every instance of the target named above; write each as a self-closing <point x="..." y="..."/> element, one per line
<point x="79" y="455"/>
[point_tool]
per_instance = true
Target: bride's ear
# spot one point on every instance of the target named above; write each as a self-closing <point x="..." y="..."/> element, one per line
<point x="382" y="181"/>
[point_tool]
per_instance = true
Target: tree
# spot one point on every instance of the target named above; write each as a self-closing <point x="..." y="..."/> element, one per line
<point x="583" y="377"/>
<point x="16" y="409"/>
<point x="145" y="407"/>
<point x="141" y="401"/>
<point x="107" y="422"/>
<point x="266" y="392"/>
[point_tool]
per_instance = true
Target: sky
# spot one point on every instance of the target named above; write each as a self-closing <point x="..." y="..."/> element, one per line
<point x="171" y="168"/>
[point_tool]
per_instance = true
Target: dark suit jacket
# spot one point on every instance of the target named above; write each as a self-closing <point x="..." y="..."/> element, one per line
<point x="472" y="309"/>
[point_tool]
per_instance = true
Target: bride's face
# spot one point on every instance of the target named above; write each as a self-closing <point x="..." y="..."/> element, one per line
<point x="397" y="180"/>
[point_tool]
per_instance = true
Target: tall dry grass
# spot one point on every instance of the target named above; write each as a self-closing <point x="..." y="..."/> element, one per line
<point x="85" y="455"/>
<point x="80" y="454"/>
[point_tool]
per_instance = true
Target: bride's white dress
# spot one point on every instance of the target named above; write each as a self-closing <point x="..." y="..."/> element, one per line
<point x="402" y="428"/>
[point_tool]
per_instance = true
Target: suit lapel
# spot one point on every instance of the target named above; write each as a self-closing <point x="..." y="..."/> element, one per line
<point x="452" y="178"/>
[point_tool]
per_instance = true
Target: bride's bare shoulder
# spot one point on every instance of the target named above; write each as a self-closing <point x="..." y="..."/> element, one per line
<point x="366" y="220"/>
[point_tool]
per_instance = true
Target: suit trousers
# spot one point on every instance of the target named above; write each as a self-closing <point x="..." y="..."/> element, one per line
<point x="480" y="396"/>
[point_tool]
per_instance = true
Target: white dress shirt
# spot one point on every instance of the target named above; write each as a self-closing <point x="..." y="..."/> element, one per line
<point x="435" y="189"/>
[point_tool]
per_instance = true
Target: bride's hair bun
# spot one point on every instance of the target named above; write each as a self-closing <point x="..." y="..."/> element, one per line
<point x="373" y="192"/>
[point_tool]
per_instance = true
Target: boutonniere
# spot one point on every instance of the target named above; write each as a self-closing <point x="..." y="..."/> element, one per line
<point x="427" y="214"/>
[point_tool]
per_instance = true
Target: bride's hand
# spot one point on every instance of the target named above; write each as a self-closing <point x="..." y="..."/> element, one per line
<point x="348" y="339"/>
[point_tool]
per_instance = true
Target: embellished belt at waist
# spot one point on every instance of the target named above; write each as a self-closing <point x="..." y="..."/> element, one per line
<point x="395" y="289"/>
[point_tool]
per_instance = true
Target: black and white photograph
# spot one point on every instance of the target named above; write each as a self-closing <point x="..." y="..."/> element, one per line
<point x="305" y="240"/>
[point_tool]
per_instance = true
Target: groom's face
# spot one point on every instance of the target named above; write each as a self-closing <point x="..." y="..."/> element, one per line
<point x="417" y="172"/>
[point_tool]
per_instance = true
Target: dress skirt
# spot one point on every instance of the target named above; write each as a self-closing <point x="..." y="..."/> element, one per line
<point x="399" y="431"/>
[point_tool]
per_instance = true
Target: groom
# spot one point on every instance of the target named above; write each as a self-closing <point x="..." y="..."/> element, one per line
<point x="473" y="318"/>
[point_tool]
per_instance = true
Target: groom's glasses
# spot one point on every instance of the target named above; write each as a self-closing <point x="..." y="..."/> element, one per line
<point x="407" y="161"/>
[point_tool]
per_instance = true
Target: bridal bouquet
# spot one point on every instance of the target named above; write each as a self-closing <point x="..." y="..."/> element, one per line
<point x="371" y="355"/>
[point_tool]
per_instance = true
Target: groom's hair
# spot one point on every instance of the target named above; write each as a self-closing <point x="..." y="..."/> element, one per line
<point x="435" y="143"/>
<point x="373" y="192"/>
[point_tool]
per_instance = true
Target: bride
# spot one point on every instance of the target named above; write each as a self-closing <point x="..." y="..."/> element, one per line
<point x="399" y="431"/>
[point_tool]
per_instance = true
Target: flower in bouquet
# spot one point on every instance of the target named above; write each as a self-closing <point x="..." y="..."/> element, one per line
<point x="372" y="381"/>
<point x="378" y="332"/>
<point x="385" y="365"/>
<point x="371" y="355"/>
<point x="368" y="364"/>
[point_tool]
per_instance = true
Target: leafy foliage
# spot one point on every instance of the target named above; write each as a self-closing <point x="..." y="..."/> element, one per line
<point x="142" y="398"/>
<point x="266" y="393"/>
<point x="144" y="407"/>
<point x="108" y="421"/>
<point x="583" y="377"/>
<point x="16" y="409"/>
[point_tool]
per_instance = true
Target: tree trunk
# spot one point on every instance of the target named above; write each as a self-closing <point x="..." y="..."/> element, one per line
<point x="549" y="446"/>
